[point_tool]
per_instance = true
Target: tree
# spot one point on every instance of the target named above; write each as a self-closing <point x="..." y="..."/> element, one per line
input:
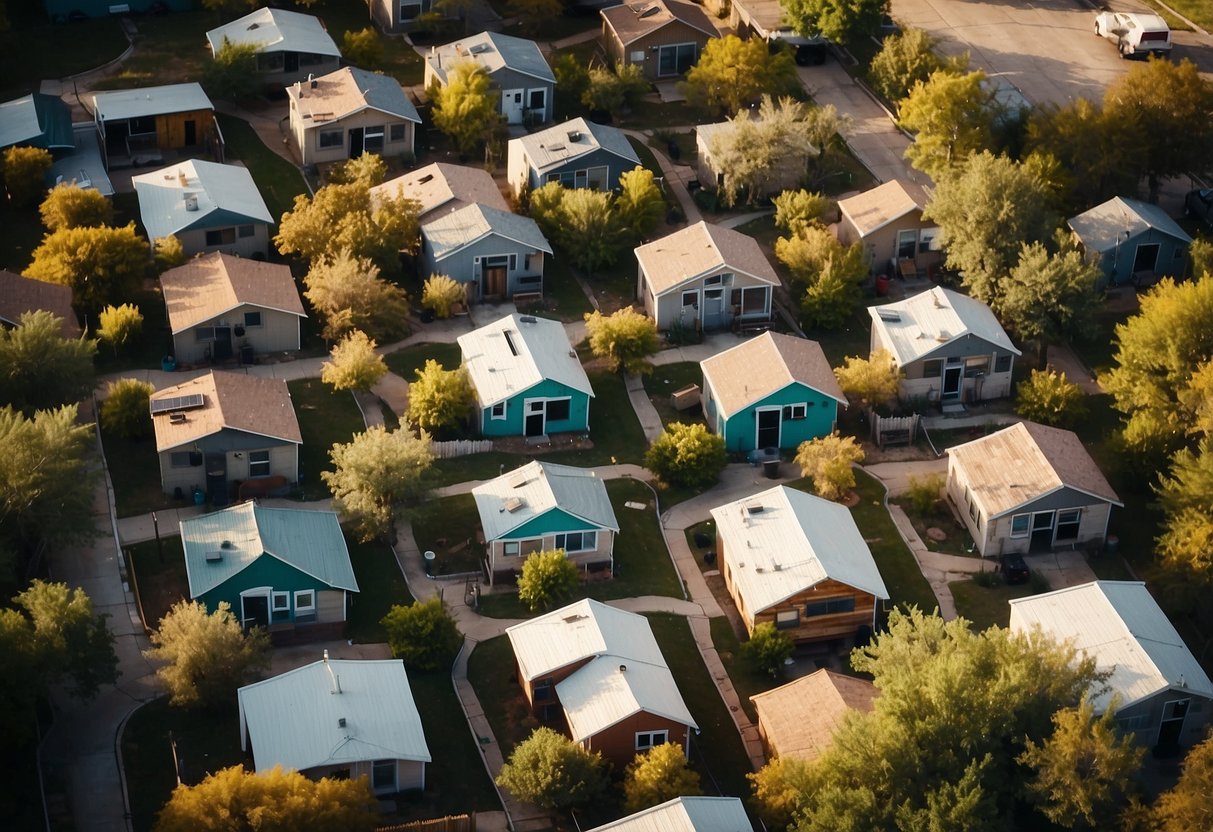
<point x="70" y="206"/>
<point x="827" y="460"/>
<point x="232" y="73"/>
<point x="1188" y="804"/>
<point x="830" y="301"/>
<point x="367" y="170"/>
<point x="572" y="77"/>
<point x="591" y="231"/>
<point x="465" y="108"/>
<point x="534" y="13"/>
<point x="1048" y="298"/>
<point x="797" y="210"/>
<point x="768" y="648"/>
<point x="120" y="325"/>
<point x="1098" y="150"/>
<point x="1187" y="531"/>
<point x="376" y="472"/>
<point x="687" y="456"/>
<point x="611" y="92"/>
<point x="781" y="790"/>
<point x="546" y="577"/>
<point x="831" y="271"/>
<point x="1050" y="398"/>
<point x="842" y="21"/>
<point x="207" y="655"/>
<point x="731" y="73"/>
<point x="439" y="399"/>
<point x="907" y="58"/>
<point x="167" y="253"/>
<point x="1200" y="256"/>
<point x="423" y="634"/>
<point x="751" y="152"/>
<point x="362" y="48"/>
<point x="1083" y="771"/>
<point x="353" y="363"/>
<point x="441" y="293"/>
<point x="73" y="644"/>
<point x="553" y="772"/>
<point x="39" y="368"/>
<point x="874" y="380"/>
<point x="235" y="799"/>
<point x="952" y="117"/>
<point x="25" y="170"/>
<point x="124" y="413"/>
<point x="544" y="204"/>
<point x="625" y="338"/>
<point x="658" y="775"/>
<point x="987" y="211"/>
<point x="45" y="479"/>
<point x="101" y="265"/>
<point x="349" y="294"/>
<point x="640" y="203"/>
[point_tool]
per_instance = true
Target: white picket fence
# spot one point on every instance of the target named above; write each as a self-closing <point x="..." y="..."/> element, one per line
<point x="460" y="447"/>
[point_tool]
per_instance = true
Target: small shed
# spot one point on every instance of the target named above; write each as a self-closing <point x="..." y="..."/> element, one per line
<point x="663" y="37"/>
<point x="1131" y="241"/>
<point x="291" y="46"/>
<point x="19" y="295"/>
<point x="136" y="126"/>
<point x="799" y="719"/>
<point x="887" y="221"/>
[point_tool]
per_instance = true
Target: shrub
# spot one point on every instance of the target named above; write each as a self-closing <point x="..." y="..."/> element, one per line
<point x="768" y="648"/>
<point x="1050" y="398"/>
<point x="70" y="206"/>
<point x="827" y="460"/>
<point x="439" y="399"/>
<point x="546" y="577"/>
<point x="924" y="493"/>
<point x="25" y="170"/>
<point x="441" y="293"/>
<point x="658" y="775"/>
<point x="625" y="338"/>
<point x="363" y="48"/>
<point x="168" y="253"/>
<point x="124" y="412"/>
<point x="553" y="772"/>
<point x="424" y="634"/>
<point x="687" y="455"/>
<point x="120" y="325"/>
<point x="353" y="363"/>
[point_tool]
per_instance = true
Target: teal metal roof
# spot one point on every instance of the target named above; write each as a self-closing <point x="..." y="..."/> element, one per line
<point x="36" y="120"/>
<point x="310" y="541"/>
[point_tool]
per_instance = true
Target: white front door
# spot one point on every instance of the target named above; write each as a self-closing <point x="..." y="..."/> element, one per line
<point x="511" y="106"/>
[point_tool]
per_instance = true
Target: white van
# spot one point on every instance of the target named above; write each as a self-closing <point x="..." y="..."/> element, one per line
<point x="1135" y="34"/>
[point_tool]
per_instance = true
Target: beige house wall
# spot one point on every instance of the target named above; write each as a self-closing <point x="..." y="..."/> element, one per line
<point x="279" y="332"/>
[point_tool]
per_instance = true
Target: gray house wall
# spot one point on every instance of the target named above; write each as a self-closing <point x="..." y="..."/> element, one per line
<point x="461" y="265"/>
<point x="508" y="80"/>
<point x="306" y="135"/>
<point x="1144" y="719"/>
<point x="522" y="173"/>
<point x="915" y="385"/>
<point x="258" y="245"/>
<point x="234" y="445"/>
<point x="309" y="64"/>
<point x="1117" y="264"/>
<point x="279" y="332"/>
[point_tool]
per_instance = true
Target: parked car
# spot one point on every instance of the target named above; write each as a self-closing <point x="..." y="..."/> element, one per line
<point x="1135" y="35"/>
<point x="1014" y="569"/>
<point x="805" y="51"/>
<point x="1198" y="205"/>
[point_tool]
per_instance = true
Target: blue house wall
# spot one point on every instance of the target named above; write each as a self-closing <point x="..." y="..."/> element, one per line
<point x="1117" y="264"/>
<point x="269" y="571"/>
<point x="512" y="424"/>
<point x="740" y="430"/>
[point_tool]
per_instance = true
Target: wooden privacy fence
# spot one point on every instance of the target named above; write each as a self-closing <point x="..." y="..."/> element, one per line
<point x="894" y="430"/>
<point x="450" y="823"/>
<point x="460" y="447"/>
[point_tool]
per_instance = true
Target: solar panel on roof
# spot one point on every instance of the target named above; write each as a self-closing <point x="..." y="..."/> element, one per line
<point x="190" y="402"/>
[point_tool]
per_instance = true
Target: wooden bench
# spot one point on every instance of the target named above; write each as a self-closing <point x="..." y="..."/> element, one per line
<point x="685" y="398"/>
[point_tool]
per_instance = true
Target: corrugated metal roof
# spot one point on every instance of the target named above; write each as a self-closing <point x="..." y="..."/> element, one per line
<point x="541" y="487"/>
<point x="537" y="349"/>
<point x="276" y="30"/>
<point x="1024" y="462"/>
<point x="83" y="166"/>
<point x="36" y="120"/>
<point x="686" y="814"/>
<point x="294" y="720"/>
<point x="150" y="101"/>
<point x="919" y="325"/>
<point x="493" y="51"/>
<point x="607" y="691"/>
<point x="444" y="186"/>
<point x="801" y="717"/>
<point x="451" y="232"/>
<point x="347" y="91"/>
<point x="877" y="207"/>
<point x="552" y="147"/>
<point x="1121" y="626"/>
<point x="1102" y="227"/>
<point x="580" y="631"/>
<point x="208" y="286"/>
<point x="252" y="404"/>
<point x="700" y="248"/>
<point x="794" y="543"/>
<point x="754" y="369"/>
<point x="229" y="189"/>
<point x="310" y="541"/>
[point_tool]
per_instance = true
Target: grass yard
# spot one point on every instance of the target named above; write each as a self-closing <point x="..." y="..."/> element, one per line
<point x="169" y="49"/>
<point x="33" y="50"/>
<point x="987" y="606"/>
<point x="664" y="380"/>
<point x="153" y="343"/>
<point x="160" y="583"/>
<point x="406" y="362"/>
<point x="134" y="468"/>
<point x="447" y="526"/>
<point x="380" y="587"/>
<point x="493" y="676"/>
<point x="940" y="518"/>
<point x="563" y="297"/>
<point x="688" y="150"/>
<point x="399" y="60"/>
<point x="278" y="180"/>
<point x="325" y="418"/>
<point x="746" y="680"/>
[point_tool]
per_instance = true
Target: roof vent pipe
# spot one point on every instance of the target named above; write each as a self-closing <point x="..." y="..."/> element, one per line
<point x="336" y="680"/>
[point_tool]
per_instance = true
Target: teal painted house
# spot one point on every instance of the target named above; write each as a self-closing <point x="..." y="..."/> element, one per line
<point x="774" y="391"/>
<point x="284" y="569"/>
<point x="543" y="506"/>
<point x="527" y="378"/>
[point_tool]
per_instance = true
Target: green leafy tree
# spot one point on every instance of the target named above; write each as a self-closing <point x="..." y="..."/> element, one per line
<point x="236" y="799"/>
<point x="547" y="577"/>
<point x="25" y="170"/>
<point x="466" y="107"/>
<point x="753" y="151"/>
<point x="101" y="265"/>
<point x="658" y="775"/>
<point x="120" y="325"/>
<point x="423" y="634"/>
<point x="353" y="363"/>
<point x="367" y="170"/>
<point x="167" y="253"/>
<point x="768" y="648"/>
<point x="590" y="228"/>
<point x="362" y="48"/>
<point x="640" y="204"/>
<point x="70" y="206"/>
<point x="907" y="58"/>
<point x="439" y="399"/>
<point x="375" y="473"/>
<point x="1048" y="298"/>
<point x="207" y="655"/>
<point x="781" y="790"/>
<point x="232" y="74"/>
<point x="625" y="338"/>
<point x="572" y="77"/>
<point x="1188" y="804"/>
<point x="687" y="456"/>
<point x="349" y="294"/>
<point x="1082" y="772"/>
<point x="553" y="772"/>
<point x="731" y="73"/>
<point x="797" y="210"/>
<point x="830" y="272"/>
<point x="830" y="301"/>
<point x="441" y="293"/>
<point x="124" y="413"/>
<point x="1097" y="149"/>
<point x="1050" y="398"/>
<point x="952" y="117"/>
<point x="827" y="460"/>
<point x="544" y="205"/>
<point x="39" y="368"/>
<point x="874" y="380"/>
<point x="613" y="92"/>
<point x="1187" y="531"/>
<point x="1200" y="257"/>
<point x="842" y="21"/>
<point x="75" y="645"/>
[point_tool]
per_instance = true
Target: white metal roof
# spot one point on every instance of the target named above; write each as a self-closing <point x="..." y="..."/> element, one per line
<point x="560" y="144"/>
<point x="686" y="814"/>
<point x="493" y="51"/>
<point x="150" y="101"/>
<point x="919" y="325"/>
<point x="1110" y="223"/>
<point x="310" y="541"/>
<point x="451" y="232"/>
<point x="517" y="352"/>
<point x="223" y="195"/>
<point x="540" y="487"/>
<point x="795" y="542"/>
<point x="609" y="689"/>
<point x="1121" y="626"/>
<point x="580" y="631"/>
<point x="295" y="720"/>
<point x="276" y="30"/>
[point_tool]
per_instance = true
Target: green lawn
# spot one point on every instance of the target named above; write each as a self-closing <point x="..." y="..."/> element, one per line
<point x="325" y="418"/>
<point x="746" y="680"/>
<point x="958" y="540"/>
<point x="32" y="51"/>
<point x="493" y="676"/>
<point x="134" y="468"/>
<point x="399" y="60"/>
<point x="169" y="49"/>
<point x="406" y="362"/>
<point x="153" y="343"/>
<point x="563" y="297"/>
<point x="447" y="526"/>
<point x="278" y="180"/>
<point x="987" y="606"/>
<point x="160" y="576"/>
<point x="688" y="150"/>
<point x="380" y="587"/>
<point x="667" y="378"/>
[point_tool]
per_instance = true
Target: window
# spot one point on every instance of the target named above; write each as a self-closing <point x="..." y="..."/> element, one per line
<point x="542" y="690"/>
<point x="513" y="262"/>
<point x="311" y="58"/>
<point x="787" y="619"/>
<point x="794" y="412"/>
<point x="636" y="57"/>
<point x="395" y="133"/>
<point x="1002" y="363"/>
<point x="649" y="739"/>
<point x="558" y="410"/>
<point x="409" y="11"/>
<point x="581" y="179"/>
<point x="830" y="606"/>
<point x="932" y="368"/>
<point x="271" y="61"/>
<point x="331" y="138"/>
<point x="973" y="512"/>
<point x="1020" y="525"/>
<point x="690" y="299"/>
<point x="497" y="411"/>
<point x="372" y="139"/>
<point x="530" y="279"/>
<point x="1068" y="523"/>
<point x="675" y="59"/>
<point x="204" y="333"/>
<point x="305" y="602"/>
<point x="252" y="319"/>
<point x="976" y="365"/>
<point x="1133" y="723"/>
<point x="258" y="464"/>
<point x="510" y="549"/>
<point x="383" y="775"/>
<point x="245" y="230"/>
<point x="180" y="459"/>
<point x="577" y="541"/>
<point x="714" y="280"/>
<point x="1176" y="710"/>
<point x="537" y="99"/>
<point x="598" y="178"/>
<point x="282" y="602"/>
<point x="526" y="262"/>
<point x="221" y="236"/>
<point x="145" y="126"/>
<point x="754" y="300"/>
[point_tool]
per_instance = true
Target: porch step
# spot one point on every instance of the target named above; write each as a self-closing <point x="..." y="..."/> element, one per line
<point x="541" y="439"/>
<point x="953" y="409"/>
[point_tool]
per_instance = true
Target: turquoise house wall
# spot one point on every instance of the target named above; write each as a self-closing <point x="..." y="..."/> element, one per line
<point x="267" y="570"/>
<point x="512" y="424"/>
<point x="820" y="415"/>
<point x="550" y="522"/>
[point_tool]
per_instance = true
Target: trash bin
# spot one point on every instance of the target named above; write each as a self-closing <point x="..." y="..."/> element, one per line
<point x="199" y="497"/>
<point x="882" y="285"/>
<point x="246" y="354"/>
<point x="1112" y="544"/>
<point x="168" y="363"/>
<point x="770" y="467"/>
<point x="429" y="563"/>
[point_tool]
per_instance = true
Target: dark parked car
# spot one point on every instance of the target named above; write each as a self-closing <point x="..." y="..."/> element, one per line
<point x="1198" y="205"/>
<point x="1014" y="569"/>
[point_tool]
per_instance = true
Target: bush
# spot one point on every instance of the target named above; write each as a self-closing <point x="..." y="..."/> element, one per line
<point x="625" y="338"/>
<point x="546" y="577"/>
<point x="168" y="253"/>
<point x="70" y="206"/>
<point x="232" y="73"/>
<point x="439" y="399"/>
<point x="362" y="48"/>
<point x="1050" y="398"/>
<point x="987" y="578"/>
<point x="658" y="775"/>
<point x="687" y="455"/>
<point x="441" y="293"/>
<point x="553" y="772"/>
<point x="424" y="635"/>
<point x="923" y="494"/>
<point x="827" y="461"/>
<point x="124" y="413"/>
<point x="768" y="648"/>
<point x="353" y="363"/>
<point x="120" y="325"/>
<point x="25" y="170"/>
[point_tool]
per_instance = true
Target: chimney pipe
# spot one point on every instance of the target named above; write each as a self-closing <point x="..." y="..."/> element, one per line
<point x="333" y="676"/>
